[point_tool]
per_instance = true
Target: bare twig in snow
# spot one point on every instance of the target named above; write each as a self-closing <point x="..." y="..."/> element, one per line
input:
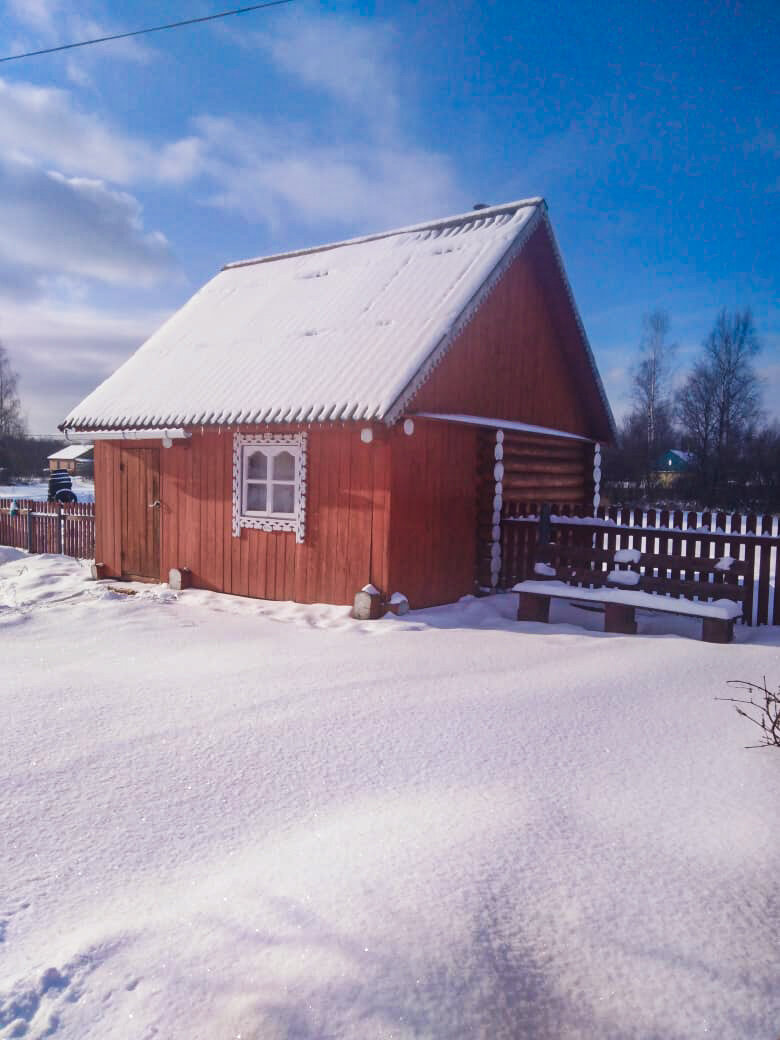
<point x="765" y="715"/>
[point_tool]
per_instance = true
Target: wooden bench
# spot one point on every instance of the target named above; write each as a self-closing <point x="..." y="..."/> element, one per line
<point x="622" y="582"/>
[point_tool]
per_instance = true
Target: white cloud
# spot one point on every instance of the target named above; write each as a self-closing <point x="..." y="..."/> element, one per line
<point x="63" y="352"/>
<point x="266" y="175"/>
<point x="37" y="14"/>
<point x="45" y="125"/>
<point x="81" y="27"/>
<point x="68" y="178"/>
<point x="367" y="174"/>
<point x="352" y="165"/>
<point x="352" y="61"/>
<point x="77" y="74"/>
<point x="74" y="226"/>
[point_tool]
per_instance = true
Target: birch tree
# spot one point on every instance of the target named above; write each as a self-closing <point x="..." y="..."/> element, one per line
<point x="647" y="430"/>
<point x="11" y="421"/>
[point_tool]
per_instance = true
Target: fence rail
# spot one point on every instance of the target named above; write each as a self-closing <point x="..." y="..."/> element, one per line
<point x="48" y="527"/>
<point x="753" y="538"/>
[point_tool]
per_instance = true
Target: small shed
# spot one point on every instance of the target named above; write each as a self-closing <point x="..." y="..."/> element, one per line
<point x="675" y="461"/>
<point x="673" y="464"/>
<point x="73" y="458"/>
<point x="357" y="413"/>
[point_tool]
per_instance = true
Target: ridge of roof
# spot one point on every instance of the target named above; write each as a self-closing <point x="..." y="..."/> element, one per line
<point x="428" y="225"/>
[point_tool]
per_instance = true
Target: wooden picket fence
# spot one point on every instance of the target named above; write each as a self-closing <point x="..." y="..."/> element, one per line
<point x="753" y="538"/>
<point x="48" y="527"/>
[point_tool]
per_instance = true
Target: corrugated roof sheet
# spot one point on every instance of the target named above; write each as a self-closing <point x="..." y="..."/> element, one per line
<point x="334" y="333"/>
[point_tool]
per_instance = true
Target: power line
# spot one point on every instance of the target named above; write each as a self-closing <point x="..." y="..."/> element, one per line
<point x="154" y="28"/>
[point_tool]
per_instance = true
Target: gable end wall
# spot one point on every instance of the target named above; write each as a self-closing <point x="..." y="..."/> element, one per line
<point x="521" y="357"/>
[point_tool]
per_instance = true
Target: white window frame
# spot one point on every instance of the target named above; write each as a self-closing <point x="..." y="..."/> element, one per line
<point x="273" y="443"/>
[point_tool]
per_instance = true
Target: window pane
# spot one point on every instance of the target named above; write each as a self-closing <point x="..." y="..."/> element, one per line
<point x="256" y="497"/>
<point x="284" y="466"/>
<point x="284" y="498"/>
<point x="257" y="467"/>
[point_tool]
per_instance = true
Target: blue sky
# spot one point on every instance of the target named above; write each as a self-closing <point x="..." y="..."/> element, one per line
<point x="130" y="171"/>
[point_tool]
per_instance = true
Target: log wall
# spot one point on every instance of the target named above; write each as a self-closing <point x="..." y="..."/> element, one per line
<point x="533" y="469"/>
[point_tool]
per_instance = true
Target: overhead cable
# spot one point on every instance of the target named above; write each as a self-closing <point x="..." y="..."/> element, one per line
<point x="153" y="28"/>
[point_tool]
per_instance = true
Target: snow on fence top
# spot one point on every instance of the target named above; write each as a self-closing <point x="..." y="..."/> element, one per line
<point x="344" y="331"/>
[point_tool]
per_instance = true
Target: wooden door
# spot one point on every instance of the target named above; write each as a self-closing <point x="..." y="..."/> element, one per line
<point x="139" y="468"/>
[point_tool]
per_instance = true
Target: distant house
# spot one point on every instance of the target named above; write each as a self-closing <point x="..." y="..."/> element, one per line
<point x="359" y="413"/>
<point x="74" y="458"/>
<point x="674" y="462"/>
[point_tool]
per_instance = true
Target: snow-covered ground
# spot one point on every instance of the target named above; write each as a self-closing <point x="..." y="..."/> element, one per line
<point x="39" y="489"/>
<point x="226" y="819"/>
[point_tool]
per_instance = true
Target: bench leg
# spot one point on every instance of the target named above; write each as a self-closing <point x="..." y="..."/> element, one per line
<point x="619" y="618"/>
<point x="533" y="607"/>
<point x="717" y="630"/>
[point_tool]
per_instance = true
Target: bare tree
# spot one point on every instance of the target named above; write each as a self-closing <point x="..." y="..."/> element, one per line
<point x="648" y="429"/>
<point x="719" y="404"/>
<point x="696" y="414"/>
<point x="11" y="421"/>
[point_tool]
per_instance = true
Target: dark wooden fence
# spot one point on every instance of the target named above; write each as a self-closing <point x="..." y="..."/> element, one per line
<point x="753" y="538"/>
<point x="48" y="527"/>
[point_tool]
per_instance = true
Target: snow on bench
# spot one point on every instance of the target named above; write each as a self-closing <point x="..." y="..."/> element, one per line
<point x="726" y="609"/>
<point x="590" y="575"/>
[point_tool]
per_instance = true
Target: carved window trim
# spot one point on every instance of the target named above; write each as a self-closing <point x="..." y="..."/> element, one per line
<point x="296" y="522"/>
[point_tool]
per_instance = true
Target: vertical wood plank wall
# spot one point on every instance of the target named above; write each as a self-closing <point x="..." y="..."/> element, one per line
<point x="347" y="518"/>
<point x="434" y="509"/>
<point x="108" y="506"/>
<point x="428" y="554"/>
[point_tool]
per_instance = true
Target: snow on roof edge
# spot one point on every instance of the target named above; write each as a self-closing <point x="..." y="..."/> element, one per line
<point x="428" y="225"/>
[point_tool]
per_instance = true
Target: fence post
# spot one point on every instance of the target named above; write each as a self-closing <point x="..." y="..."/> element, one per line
<point x="29" y="529"/>
<point x="60" y="523"/>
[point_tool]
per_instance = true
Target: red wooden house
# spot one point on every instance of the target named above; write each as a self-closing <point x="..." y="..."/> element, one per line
<point x="355" y="413"/>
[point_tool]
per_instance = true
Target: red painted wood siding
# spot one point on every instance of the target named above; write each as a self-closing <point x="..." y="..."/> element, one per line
<point x="521" y="356"/>
<point x="432" y="542"/>
<point x="428" y="480"/>
<point x="347" y="517"/>
<point x="108" y="549"/>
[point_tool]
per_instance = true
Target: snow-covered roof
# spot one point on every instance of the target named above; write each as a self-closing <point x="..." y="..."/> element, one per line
<point x="344" y="331"/>
<point x="72" y="451"/>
